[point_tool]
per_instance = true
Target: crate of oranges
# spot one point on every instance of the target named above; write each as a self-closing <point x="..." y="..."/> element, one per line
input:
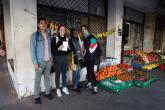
<point x="107" y="72"/>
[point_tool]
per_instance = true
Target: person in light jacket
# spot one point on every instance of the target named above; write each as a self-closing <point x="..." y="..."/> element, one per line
<point x="40" y="49"/>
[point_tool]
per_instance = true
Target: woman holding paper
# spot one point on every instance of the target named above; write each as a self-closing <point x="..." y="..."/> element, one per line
<point x="60" y="52"/>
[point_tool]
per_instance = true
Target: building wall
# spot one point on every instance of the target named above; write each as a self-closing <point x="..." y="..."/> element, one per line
<point x="149" y="32"/>
<point x="7" y="26"/>
<point x="146" y="6"/>
<point x="115" y="20"/>
<point x="19" y="24"/>
<point x="111" y="23"/>
<point x="163" y="43"/>
<point x="10" y="47"/>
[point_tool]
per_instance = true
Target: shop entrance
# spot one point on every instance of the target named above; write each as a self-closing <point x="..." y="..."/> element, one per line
<point x="133" y="29"/>
<point x="159" y="37"/>
<point x="132" y="36"/>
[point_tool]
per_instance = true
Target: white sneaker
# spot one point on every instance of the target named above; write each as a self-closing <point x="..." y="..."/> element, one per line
<point x="95" y="90"/>
<point x="58" y="92"/>
<point x="65" y="90"/>
<point x="89" y="85"/>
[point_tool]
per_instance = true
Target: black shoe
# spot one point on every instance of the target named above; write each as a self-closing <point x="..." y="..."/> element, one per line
<point x="38" y="100"/>
<point x="77" y="90"/>
<point x="79" y="86"/>
<point x="49" y="96"/>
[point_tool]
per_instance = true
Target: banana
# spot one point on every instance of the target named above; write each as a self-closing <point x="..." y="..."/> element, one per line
<point x="150" y="66"/>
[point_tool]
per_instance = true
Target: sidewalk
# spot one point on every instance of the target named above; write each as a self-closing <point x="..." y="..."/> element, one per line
<point x="151" y="98"/>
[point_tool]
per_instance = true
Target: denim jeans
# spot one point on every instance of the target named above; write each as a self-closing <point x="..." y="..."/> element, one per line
<point x="44" y="69"/>
<point x="76" y="76"/>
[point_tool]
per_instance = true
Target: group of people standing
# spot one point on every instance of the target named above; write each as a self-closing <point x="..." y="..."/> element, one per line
<point x="46" y="50"/>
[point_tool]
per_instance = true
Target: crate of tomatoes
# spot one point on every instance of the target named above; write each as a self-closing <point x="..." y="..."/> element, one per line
<point x="143" y="79"/>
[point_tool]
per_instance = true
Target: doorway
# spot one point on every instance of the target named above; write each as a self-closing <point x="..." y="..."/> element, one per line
<point x="132" y="36"/>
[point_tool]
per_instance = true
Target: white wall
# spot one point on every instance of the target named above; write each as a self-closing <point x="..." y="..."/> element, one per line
<point x="115" y="19"/>
<point x="22" y="25"/>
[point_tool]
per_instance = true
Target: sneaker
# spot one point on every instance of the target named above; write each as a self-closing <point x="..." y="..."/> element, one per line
<point x="38" y="100"/>
<point x="58" y="92"/>
<point x="49" y="96"/>
<point x="89" y="85"/>
<point x="95" y="90"/>
<point x="65" y="90"/>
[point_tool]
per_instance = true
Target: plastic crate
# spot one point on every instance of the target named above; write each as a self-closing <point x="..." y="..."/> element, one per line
<point x="162" y="67"/>
<point x="106" y="84"/>
<point x="123" y="85"/>
<point x="153" y="78"/>
<point x="136" y="65"/>
<point x="129" y="84"/>
<point x="113" y="85"/>
<point x="147" y="83"/>
<point x="148" y="71"/>
<point x="112" y="78"/>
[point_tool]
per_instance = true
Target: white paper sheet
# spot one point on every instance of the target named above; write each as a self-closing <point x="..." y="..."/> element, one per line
<point x="65" y="44"/>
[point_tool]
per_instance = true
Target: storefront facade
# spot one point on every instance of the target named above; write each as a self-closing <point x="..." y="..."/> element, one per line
<point x="20" y="21"/>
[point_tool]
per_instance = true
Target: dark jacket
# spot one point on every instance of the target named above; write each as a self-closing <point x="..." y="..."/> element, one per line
<point x="56" y="43"/>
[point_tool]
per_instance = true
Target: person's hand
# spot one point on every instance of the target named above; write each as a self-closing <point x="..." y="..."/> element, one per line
<point x="61" y="47"/>
<point x="36" y="66"/>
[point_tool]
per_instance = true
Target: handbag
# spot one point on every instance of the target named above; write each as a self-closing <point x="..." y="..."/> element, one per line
<point x="73" y="66"/>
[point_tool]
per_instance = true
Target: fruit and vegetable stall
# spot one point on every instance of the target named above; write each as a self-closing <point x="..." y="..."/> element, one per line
<point x="137" y="71"/>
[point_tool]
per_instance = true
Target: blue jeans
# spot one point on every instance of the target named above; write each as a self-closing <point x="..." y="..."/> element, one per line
<point x="76" y="76"/>
<point x="44" y="69"/>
